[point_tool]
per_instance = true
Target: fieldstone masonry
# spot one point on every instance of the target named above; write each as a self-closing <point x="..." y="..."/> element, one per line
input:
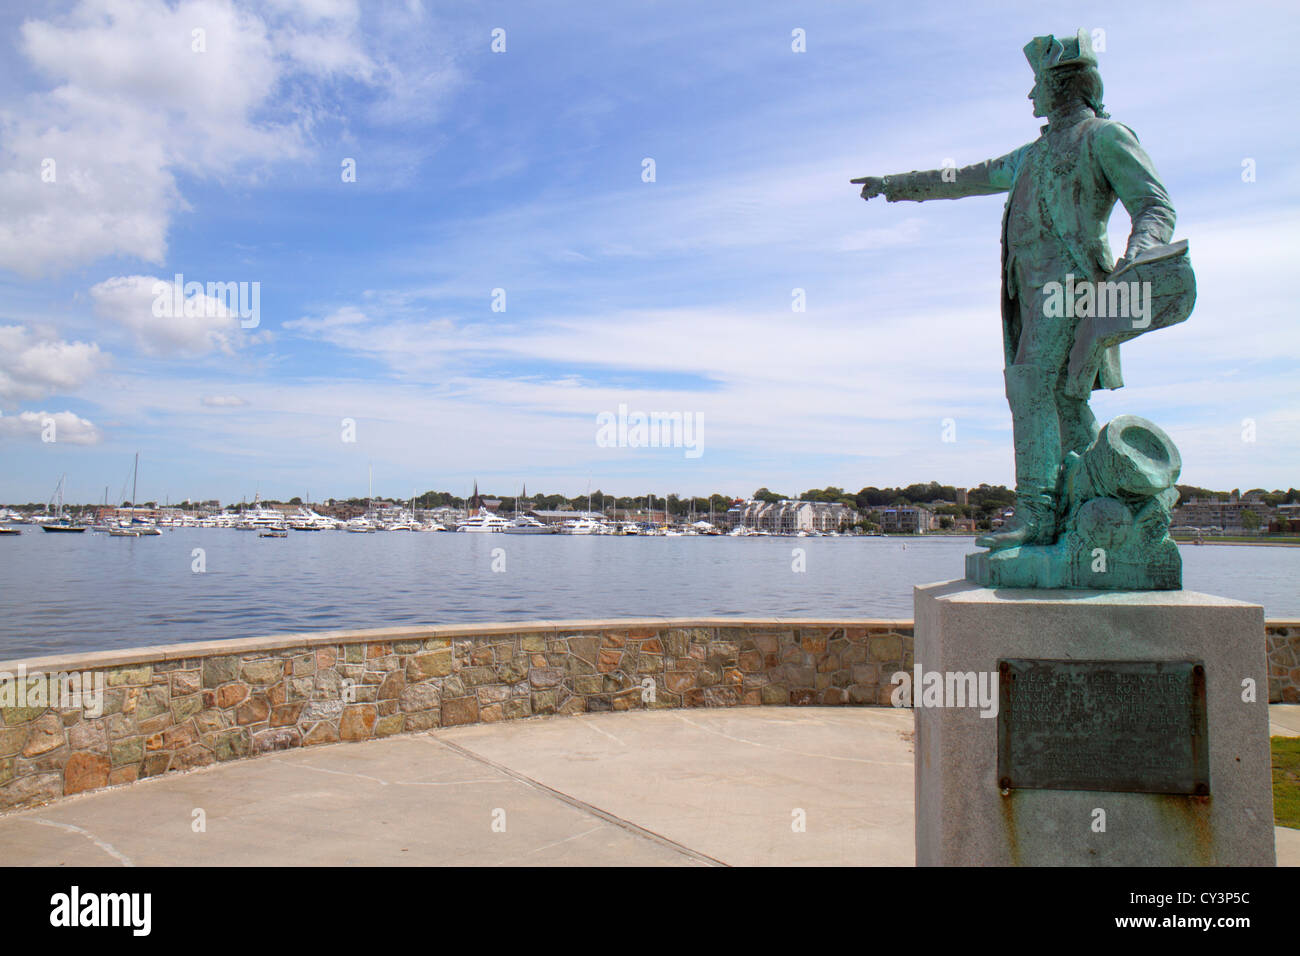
<point x="190" y="705"/>
<point x="1283" y="645"/>
<point x="187" y="706"/>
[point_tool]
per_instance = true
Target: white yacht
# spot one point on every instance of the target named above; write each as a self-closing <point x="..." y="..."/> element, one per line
<point x="258" y="517"/>
<point x="527" y="524"/>
<point x="305" y="519"/>
<point x="483" y="522"/>
<point x="583" y="525"/>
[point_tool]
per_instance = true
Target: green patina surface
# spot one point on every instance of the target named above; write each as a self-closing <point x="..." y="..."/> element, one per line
<point x="1092" y="503"/>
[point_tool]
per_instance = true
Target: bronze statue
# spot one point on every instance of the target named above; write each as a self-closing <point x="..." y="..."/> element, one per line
<point x="1065" y="307"/>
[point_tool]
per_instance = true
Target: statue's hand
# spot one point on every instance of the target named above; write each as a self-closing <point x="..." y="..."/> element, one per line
<point x="871" y="186"/>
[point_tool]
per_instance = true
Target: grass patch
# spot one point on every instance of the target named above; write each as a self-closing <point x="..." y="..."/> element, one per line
<point x="1240" y="538"/>
<point x="1286" y="781"/>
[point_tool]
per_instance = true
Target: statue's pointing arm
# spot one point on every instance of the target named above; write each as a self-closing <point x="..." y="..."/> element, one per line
<point x="981" y="179"/>
<point x="1131" y="174"/>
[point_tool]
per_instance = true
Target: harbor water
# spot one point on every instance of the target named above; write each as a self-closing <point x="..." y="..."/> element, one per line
<point x="63" y="593"/>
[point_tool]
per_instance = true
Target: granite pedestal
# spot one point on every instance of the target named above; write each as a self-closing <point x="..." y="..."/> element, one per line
<point x="965" y="817"/>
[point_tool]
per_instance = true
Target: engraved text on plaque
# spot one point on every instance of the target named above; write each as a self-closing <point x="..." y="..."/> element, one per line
<point x="1136" y="726"/>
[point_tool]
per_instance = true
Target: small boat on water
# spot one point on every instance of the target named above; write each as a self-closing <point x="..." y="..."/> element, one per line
<point x="272" y="533"/>
<point x="4" y="529"/>
<point x="61" y="522"/>
<point x="64" y="525"/>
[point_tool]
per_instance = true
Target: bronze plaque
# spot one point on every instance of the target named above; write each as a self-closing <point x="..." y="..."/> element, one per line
<point x="1128" y="726"/>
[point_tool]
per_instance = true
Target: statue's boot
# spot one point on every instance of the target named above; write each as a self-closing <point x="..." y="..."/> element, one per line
<point x="1037" y="433"/>
<point x="1079" y="428"/>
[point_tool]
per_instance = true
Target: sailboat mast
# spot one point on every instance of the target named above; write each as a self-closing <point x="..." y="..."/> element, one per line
<point x="135" y="474"/>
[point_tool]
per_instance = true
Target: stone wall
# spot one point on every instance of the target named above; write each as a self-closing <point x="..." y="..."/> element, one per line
<point x="189" y="705"/>
<point x="1283" y="641"/>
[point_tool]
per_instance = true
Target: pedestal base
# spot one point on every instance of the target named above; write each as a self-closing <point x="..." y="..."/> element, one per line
<point x="964" y="817"/>
<point x="1072" y="563"/>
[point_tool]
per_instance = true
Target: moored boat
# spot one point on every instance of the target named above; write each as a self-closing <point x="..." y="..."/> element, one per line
<point x="483" y="522"/>
<point x="527" y="524"/>
<point x="60" y="522"/>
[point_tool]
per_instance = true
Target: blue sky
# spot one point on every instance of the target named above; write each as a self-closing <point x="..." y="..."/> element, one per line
<point x="522" y="170"/>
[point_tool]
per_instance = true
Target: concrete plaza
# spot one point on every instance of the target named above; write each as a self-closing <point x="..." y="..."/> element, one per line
<point x="740" y="786"/>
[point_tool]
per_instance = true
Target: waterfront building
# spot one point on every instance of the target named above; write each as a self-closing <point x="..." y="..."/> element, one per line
<point x="1217" y="513"/>
<point x="789" y="516"/>
<point x="907" y="519"/>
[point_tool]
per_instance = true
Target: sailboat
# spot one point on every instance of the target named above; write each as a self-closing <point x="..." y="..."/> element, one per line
<point x="402" y="522"/>
<point x="136" y="527"/>
<point x="61" y="522"/>
<point x="101" y="518"/>
<point x="366" y="524"/>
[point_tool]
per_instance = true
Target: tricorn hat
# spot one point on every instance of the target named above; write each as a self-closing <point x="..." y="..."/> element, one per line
<point x="1049" y="53"/>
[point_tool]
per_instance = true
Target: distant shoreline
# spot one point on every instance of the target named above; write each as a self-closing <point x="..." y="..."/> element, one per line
<point x="1265" y="543"/>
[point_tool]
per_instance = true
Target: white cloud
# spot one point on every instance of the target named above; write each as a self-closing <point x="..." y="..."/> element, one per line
<point x="145" y="305"/>
<point x="34" y="365"/>
<point x="223" y="401"/>
<point x="88" y="166"/>
<point x="62" y="427"/>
